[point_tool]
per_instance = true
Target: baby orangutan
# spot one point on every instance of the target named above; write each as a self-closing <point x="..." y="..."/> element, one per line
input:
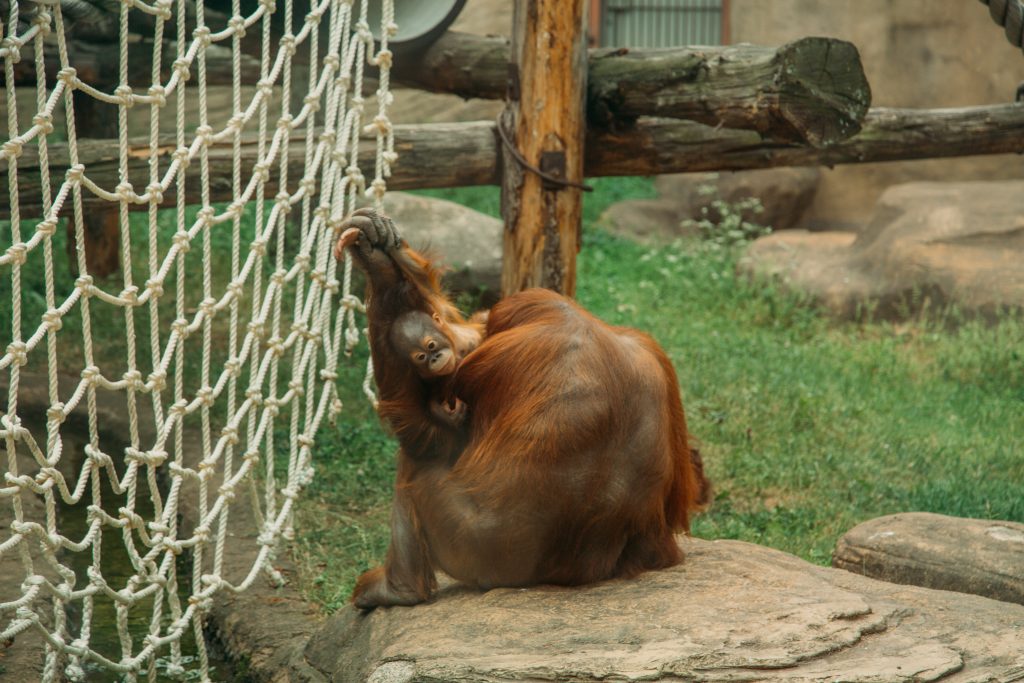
<point x="435" y="353"/>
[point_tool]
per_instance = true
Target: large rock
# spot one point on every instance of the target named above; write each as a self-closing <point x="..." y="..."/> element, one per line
<point x="950" y="553"/>
<point x="927" y="244"/>
<point x="784" y="193"/>
<point x="732" y="611"/>
<point x="467" y="242"/>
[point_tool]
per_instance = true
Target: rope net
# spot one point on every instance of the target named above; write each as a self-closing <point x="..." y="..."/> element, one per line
<point x="239" y="350"/>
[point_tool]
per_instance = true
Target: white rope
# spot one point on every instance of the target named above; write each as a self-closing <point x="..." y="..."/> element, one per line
<point x="281" y="353"/>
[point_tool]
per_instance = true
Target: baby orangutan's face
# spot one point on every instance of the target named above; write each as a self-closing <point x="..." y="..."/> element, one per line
<point x="421" y="337"/>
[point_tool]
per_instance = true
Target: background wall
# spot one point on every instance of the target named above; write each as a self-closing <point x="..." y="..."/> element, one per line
<point x="916" y="53"/>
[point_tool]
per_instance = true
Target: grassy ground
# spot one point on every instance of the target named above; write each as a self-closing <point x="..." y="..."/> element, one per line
<point x="807" y="426"/>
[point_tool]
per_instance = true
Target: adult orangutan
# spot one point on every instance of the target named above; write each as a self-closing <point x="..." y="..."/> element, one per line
<point x="572" y="464"/>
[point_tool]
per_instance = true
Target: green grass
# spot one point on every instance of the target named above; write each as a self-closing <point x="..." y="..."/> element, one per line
<point x="808" y="426"/>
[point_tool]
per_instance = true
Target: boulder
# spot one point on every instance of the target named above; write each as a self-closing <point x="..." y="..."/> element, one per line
<point x="732" y="611"/>
<point x="977" y="556"/>
<point x="650" y="221"/>
<point x="927" y="244"/>
<point x="785" y="195"/>
<point x="467" y="242"/>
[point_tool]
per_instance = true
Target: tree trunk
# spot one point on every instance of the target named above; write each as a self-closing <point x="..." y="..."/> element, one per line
<point x="543" y="128"/>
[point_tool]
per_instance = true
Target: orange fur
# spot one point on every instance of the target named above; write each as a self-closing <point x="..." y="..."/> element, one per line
<point x="574" y="465"/>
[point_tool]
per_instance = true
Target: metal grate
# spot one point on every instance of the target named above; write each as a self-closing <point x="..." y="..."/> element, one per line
<point x="660" y="23"/>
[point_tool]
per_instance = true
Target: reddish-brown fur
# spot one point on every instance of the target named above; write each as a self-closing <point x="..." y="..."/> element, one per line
<point x="574" y="464"/>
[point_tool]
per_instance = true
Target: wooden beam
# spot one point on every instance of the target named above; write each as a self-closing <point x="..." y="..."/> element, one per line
<point x="462" y="154"/>
<point x="543" y="130"/>
<point x="811" y="90"/>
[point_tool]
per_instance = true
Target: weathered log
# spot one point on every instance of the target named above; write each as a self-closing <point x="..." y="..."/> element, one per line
<point x="98" y="65"/>
<point x="543" y="129"/>
<point x="812" y="90"/>
<point x="462" y="154"/>
<point x="656" y="146"/>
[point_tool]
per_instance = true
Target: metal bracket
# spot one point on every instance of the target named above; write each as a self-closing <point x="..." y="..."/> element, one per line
<point x="553" y="165"/>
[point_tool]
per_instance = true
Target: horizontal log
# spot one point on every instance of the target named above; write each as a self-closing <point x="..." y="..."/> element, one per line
<point x="451" y="155"/>
<point x="656" y="146"/>
<point x="811" y="90"/>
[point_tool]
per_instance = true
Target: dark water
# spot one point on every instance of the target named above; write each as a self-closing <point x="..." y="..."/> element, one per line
<point x="117" y="569"/>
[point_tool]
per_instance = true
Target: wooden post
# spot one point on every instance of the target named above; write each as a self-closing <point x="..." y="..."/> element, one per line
<point x="94" y="119"/>
<point x="543" y="128"/>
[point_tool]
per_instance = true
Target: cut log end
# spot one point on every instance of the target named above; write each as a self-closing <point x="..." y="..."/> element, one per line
<point x="823" y="92"/>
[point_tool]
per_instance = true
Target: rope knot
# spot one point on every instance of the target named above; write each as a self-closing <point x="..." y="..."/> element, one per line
<point x="257" y="329"/>
<point x="288" y="43"/>
<point x="351" y="302"/>
<point x="262" y="171"/>
<point x="13" y="46"/>
<point x="328" y="375"/>
<point x="75" y="174"/>
<point x="164" y="9"/>
<point x="182" y="240"/>
<point x="297" y="386"/>
<point x="42" y="20"/>
<point x="44" y="121"/>
<point x="130" y="295"/>
<point x="270" y="6"/>
<point x="332" y="62"/>
<point x="158" y="94"/>
<point x="265" y="87"/>
<point x="377" y="188"/>
<point x="259" y="247"/>
<point x="91" y="374"/>
<point x="179" y="409"/>
<point x="312" y="101"/>
<point x="182" y="157"/>
<point x="18" y="351"/>
<point x="12" y="149"/>
<point x="55" y="413"/>
<point x="252" y="456"/>
<point x="180" y="67"/>
<point x="54" y="319"/>
<point x="134" y="380"/>
<point x="272" y="406"/>
<point x="236" y="289"/>
<point x="180" y="327"/>
<point x="124" y="93"/>
<point x="155" y="288"/>
<point x="155" y="192"/>
<point x="384" y="59"/>
<point x="69" y="75"/>
<point x="302" y="261"/>
<point x="84" y="285"/>
<point x="125" y="191"/>
<point x="201" y="34"/>
<point x="18" y="253"/>
<point x="286" y="122"/>
<point x="204" y="133"/>
<point x="208" y="306"/>
<point x="99" y="458"/>
<point x="279" y="277"/>
<point x="304" y="441"/>
<point x="283" y="200"/>
<point x="308" y="185"/>
<point x="275" y="347"/>
<point x="237" y="24"/>
<point x="205" y="396"/>
<point x="157" y="380"/>
<point x="47" y="228"/>
<point x="230" y="434"/>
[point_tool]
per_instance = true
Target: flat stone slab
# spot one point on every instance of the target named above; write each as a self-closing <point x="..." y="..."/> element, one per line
<point x="732" y="611"/>
<point x="977" y="556"/>
<point x="928" y="244"/>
